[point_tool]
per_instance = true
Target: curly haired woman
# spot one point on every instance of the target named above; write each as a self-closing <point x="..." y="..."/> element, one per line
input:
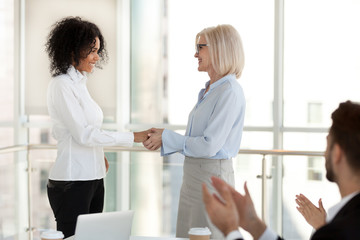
<point x="75" y="184"/>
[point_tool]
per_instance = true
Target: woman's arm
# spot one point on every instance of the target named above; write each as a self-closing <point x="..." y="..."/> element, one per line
<point x="69" y="115"/>
<point x="224" y="116"/>
<point x="141" y="136"/>
<point x="155" y="139"/>
<point x="225" y="113"/>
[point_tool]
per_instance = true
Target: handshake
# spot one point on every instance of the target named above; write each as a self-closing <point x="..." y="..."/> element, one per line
<point x="151" y="138"/>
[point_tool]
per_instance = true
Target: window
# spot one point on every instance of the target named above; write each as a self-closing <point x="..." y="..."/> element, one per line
<point x="44" y="136"/>
<point x="7" y="60"/>
<point x="321" y="58"/>
<point x="315" y="168"/>
<point x="185" y="81"/>
<point x="315" y="113"/>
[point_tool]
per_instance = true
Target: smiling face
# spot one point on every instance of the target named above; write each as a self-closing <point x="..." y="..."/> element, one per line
<point x="203" y="56"/>
<point x="87" y="64"/>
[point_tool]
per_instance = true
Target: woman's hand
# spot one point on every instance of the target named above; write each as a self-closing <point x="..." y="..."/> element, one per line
<point x="315" y="216"/>
<point x="141" y="136"/>
<point x="155" y="139"/>
<point x="106" y="163"/>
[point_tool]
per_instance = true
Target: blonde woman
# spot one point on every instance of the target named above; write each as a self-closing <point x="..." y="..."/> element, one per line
<point x="214" y="129"/>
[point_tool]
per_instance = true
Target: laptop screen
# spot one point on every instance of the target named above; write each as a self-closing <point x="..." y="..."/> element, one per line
<point x="107" y="226"/>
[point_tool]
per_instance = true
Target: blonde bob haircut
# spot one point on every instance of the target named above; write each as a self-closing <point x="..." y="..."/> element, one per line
<point x="225" y="49"/>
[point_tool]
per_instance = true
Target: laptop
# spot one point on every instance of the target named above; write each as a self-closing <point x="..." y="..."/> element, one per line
<point x="106" y="226"/>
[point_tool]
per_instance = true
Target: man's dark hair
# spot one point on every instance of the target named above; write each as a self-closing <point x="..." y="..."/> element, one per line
<point x="70" y="40"/>
<point x="345" y="131"/>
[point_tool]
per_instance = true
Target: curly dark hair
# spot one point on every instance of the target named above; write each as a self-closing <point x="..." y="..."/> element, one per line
<point x="70" y="40"/>
<point x="345" y="130"/>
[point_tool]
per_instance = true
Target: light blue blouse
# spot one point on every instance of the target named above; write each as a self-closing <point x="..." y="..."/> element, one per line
<point x="215" y="124"/>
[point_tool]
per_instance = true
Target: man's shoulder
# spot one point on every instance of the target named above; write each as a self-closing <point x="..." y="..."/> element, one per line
<point x="339" y="230"/>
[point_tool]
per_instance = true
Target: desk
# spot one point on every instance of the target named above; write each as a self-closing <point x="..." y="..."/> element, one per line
<point x="143" y="238"/>
<point x="155" y="238"/>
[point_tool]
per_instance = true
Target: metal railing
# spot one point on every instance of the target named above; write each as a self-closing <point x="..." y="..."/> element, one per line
<point x="263" y="176"/>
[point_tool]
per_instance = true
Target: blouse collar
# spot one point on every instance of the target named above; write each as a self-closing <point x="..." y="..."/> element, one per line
<point x="76" y="75"/>
<point x="220" y="81"/>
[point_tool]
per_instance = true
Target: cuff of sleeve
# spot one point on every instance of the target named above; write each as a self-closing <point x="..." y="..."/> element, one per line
<point x="171" y="142"/>
<point x="125" y="139"/>
<point x="234" y="235"/>
<point x="268" y="234"/>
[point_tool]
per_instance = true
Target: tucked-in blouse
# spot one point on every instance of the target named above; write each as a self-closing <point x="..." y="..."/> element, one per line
<point x="215" y="124"/>
<point x="77" y="120"/>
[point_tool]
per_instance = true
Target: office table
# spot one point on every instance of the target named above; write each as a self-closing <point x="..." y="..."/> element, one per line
<point x="143" y="238"/>
<point x="155" y="238"/>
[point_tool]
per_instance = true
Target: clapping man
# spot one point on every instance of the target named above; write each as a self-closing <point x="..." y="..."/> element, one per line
<point x="342" y="167"/>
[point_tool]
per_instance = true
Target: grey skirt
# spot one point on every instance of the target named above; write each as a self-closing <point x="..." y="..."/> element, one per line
<point x="191" y="212"/>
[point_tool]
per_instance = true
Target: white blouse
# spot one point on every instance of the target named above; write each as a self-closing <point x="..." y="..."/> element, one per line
<point x="77" y="120"/>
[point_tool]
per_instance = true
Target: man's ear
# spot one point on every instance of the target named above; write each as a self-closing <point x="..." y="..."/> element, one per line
<point x="337" y="154"/>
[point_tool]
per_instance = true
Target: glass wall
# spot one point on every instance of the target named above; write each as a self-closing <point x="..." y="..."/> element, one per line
<point x="254" y="21"/>
<point x="8" y="167"/>
<point x="322" y="63"/>
<point x="42" y="215"/>
<point x="321" y="69"/>
<point x="6" y="61"/>
<point x="148" y="175"/>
